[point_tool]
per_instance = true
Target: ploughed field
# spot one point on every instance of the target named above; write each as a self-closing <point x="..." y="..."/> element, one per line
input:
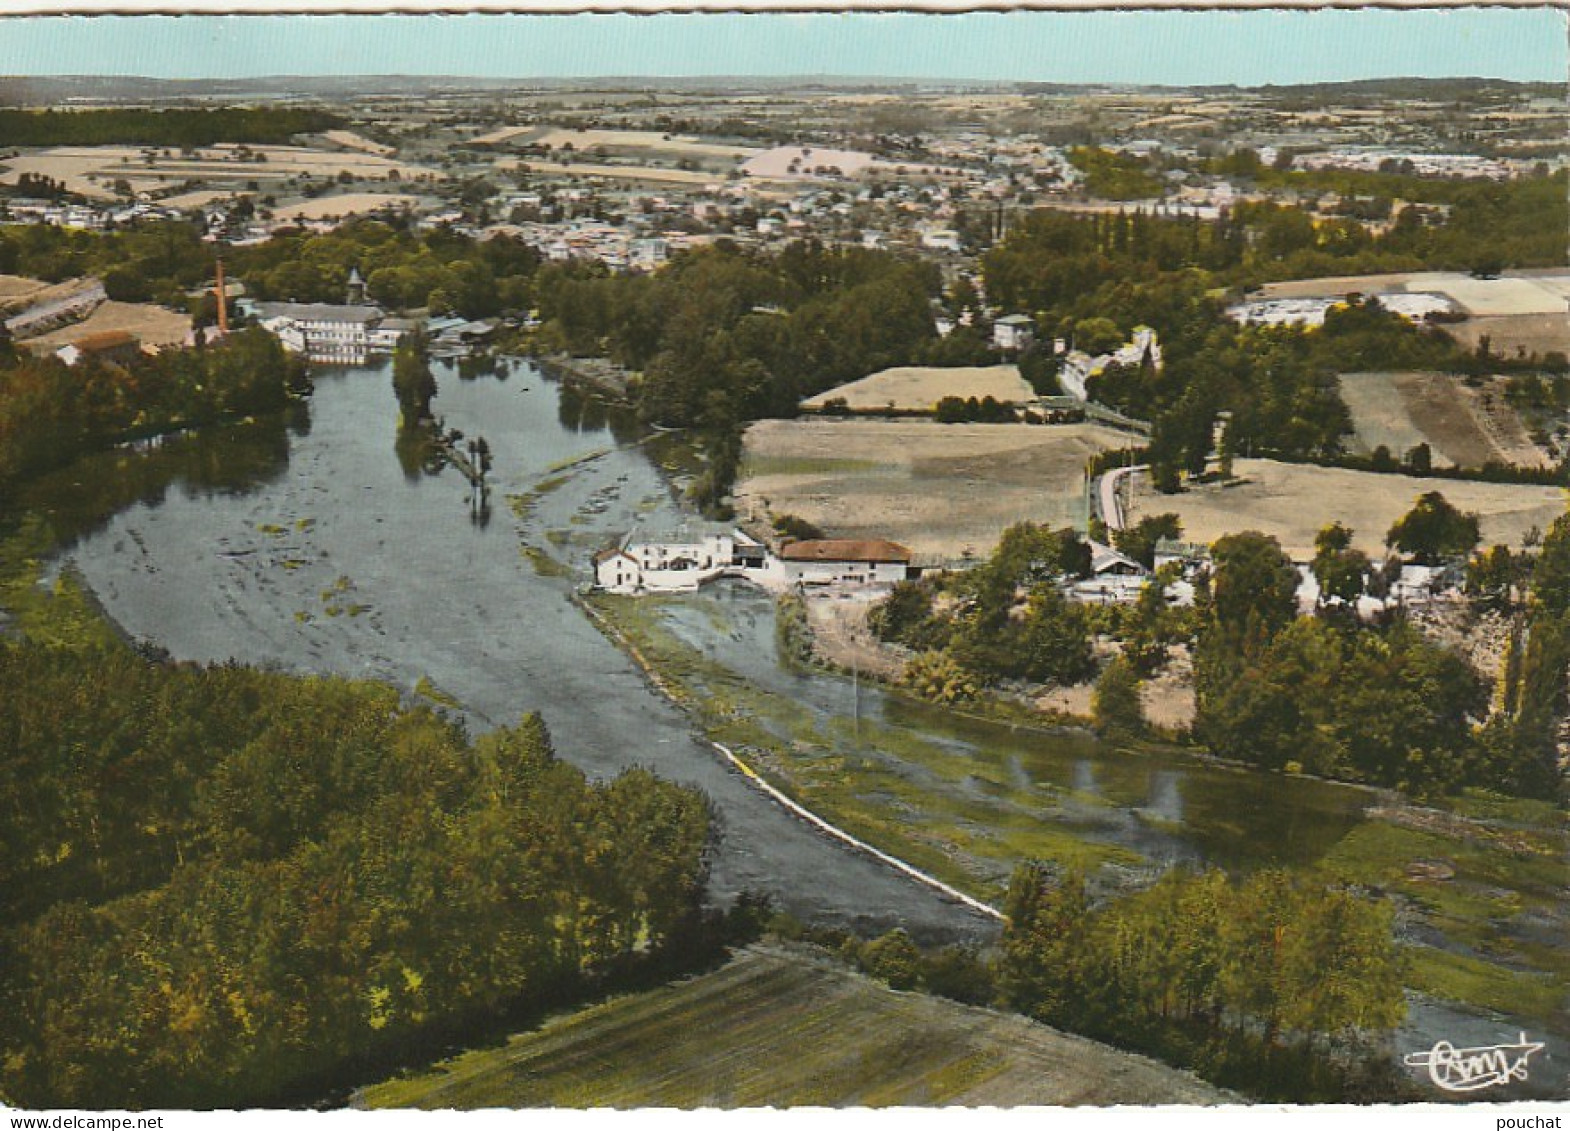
<point x="943" y="490"/>
<point x="777" y="1028"/>
<point x="1463" y="426"/>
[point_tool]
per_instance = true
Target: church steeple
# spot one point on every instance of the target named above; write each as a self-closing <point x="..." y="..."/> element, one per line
<point x="356" y="289"/>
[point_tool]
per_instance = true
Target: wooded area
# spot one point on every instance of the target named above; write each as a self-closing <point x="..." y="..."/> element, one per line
<point x="51" y="412"/>
<point x="269" y="125"/>
<point x="223" y="885"/>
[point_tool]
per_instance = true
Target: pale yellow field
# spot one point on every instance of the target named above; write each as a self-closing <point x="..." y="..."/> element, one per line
<point x="152" y="325"/>
<point x="92" y="170"/>
<point x="1292" y="502"/>
<point x="187" y="200"/>
<point x="613" y="172"/>
<point x="1463" y="426"/>
<point x="351" y="140"/>
<point x="349" y="204"/>
<point x="777" y="163"/>
<point x="911" y="388"/>
<point x="940" y="489"/>
<point x="676" y="145"/>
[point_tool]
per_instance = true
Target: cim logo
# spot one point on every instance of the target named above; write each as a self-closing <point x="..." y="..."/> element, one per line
<point x="1473" y="1069"/>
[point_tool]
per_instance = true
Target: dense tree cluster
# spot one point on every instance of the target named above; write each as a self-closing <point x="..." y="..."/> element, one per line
<point x="1519" y="748"/>
<point x="1005" y="619"/>
<point x="1115" y="176"/>
<point x="1239" y="979"/>
<point x="1083" y="276"/>
<point x="145" y="262"/>
<point x="264" y="125"/>
<point x="222" y="884"/>
<point x="50" y="412"/>
<point x="439" y="270"/>
<point x="1376" y="703"/>
<point x="723" y="336"/>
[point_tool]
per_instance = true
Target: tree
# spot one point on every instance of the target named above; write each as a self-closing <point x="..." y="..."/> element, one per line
<point x="413" y="380"/>
<point x="1434" y="530"/>
<point x="1114" y="705"/>
<point x="1492" y="577"/>
<point x="1047" y="947"/>
<point x="894" y="959"/>
<point x="1254" y="583"/>
<point x="1139" y="541"/>
<point x="1340" y="570"/>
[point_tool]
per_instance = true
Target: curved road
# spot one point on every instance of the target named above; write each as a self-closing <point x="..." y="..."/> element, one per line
<point x="1111" y="505"/>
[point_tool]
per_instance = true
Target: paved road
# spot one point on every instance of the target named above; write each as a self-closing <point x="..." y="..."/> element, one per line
<point x="1107" y="492"/>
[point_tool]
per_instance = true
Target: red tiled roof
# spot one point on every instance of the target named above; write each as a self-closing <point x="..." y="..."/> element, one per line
<point x="104" y="340"/>
<point x="845" y="550"/>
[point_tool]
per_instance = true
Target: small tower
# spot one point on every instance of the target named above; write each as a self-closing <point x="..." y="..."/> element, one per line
<point x="356" y="289"/>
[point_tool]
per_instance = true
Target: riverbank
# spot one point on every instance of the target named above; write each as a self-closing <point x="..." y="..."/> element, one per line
<point x="600" y="373"/>
<point x="681" y="699"/>
<point x="1477" y="890"/>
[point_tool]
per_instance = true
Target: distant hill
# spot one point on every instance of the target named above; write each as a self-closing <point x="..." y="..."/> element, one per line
<point x="65" y="90"/>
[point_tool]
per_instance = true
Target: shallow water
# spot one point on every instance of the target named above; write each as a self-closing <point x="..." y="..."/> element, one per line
<point x="329" y="555"/>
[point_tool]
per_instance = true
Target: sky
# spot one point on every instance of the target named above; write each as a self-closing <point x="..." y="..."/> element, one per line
<point x="1157" y="47"/>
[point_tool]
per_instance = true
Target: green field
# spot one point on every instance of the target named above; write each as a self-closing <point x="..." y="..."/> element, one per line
<point x="779" y="1028"/>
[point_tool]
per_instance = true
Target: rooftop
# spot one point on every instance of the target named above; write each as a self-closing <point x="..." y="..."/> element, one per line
<point x="318" y="311"/>
<point x="845" y="550"/>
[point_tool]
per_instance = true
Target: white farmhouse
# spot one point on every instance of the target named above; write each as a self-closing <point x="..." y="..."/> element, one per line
<point x="682" y="560"/>
<point x="1013" y="333"/>
<point x="844" y="561"/>
<point x="676" y="561"/>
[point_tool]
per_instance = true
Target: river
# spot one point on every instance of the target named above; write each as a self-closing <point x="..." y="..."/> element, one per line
<point x="323" y="546"/>
<point x="334" y="556"/>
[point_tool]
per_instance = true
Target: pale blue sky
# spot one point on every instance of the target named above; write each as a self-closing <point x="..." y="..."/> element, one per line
<point x="1170" y="47"/>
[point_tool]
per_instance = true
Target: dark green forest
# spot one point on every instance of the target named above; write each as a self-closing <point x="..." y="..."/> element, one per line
<point x="271" y="125"/>
<point x="224" y="885"/>
<point x="51" y="413"/>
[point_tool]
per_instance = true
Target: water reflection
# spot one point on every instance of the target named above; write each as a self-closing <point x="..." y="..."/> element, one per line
<point x="226" y="461"/>
<point x="1167" y="805"/>
<point x="580" y="408"/>
<point x="1166" y="795"/>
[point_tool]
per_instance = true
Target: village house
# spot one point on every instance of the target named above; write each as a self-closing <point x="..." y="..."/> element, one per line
<point x="682" y="560"/>
<point x="1013" y="333"/>
<point x="834" y="561"/>
<point x="1115" y="578"/>
<point x="117" y="346"/>
<point x="1079" y="367"/>
<point x="675" y="561"/>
